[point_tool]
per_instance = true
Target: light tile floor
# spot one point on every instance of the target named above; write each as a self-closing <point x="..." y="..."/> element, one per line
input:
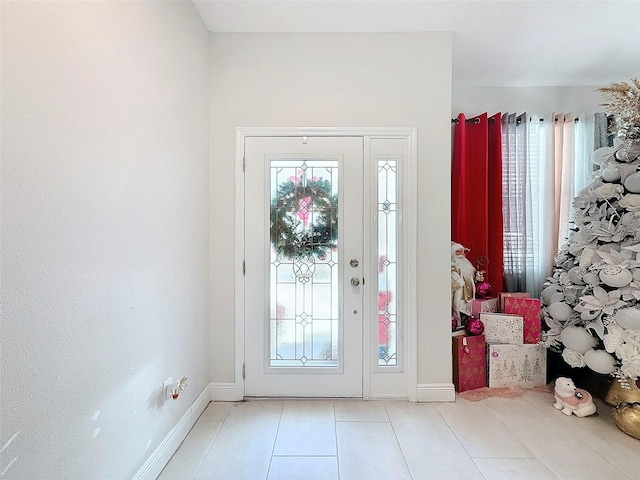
<point x="496" y="438"/>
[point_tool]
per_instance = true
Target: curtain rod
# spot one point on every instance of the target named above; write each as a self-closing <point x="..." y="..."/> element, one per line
<point x="519" y="120"/>
<point x="575" y="120"/>
<point x="491" y="120"/>
<point x="475" y="121"/>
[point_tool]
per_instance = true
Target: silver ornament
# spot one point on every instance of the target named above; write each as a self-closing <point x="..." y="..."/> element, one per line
<point x="628" y="152"/>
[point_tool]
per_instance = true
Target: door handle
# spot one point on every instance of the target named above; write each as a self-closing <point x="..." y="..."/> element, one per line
<point x="355" y="281"/>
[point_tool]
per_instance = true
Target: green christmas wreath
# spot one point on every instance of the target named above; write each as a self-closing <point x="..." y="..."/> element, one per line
<point x="304" y="218"/>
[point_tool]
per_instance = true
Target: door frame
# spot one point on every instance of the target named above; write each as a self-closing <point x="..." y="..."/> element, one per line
<point x="408" y="245"/>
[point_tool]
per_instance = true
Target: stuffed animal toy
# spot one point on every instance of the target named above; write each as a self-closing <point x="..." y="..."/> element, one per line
<point x="574" y="400"/>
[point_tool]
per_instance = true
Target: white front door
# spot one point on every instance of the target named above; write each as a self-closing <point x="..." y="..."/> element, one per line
<point x="304" y="266"/>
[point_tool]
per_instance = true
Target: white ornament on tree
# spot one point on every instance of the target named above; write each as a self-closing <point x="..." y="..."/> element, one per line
<point x="629" y="318"/>
<point x="600" y="361"/>
<point x="577" y="339"/>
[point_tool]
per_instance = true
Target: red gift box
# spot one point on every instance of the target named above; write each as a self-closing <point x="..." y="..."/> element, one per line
<point x="529" y="309"/>
<point x="469" y="362"/>
<point x="503" y="295"/>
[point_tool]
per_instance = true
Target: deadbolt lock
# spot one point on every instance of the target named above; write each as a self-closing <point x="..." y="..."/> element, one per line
<point x="354" y="263"/>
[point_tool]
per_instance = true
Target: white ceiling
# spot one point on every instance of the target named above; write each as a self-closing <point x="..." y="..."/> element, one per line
<point x="495" y="43"/>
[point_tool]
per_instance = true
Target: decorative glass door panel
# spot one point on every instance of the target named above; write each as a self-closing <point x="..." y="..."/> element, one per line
<point x="387" y="262"/>
<point x="304" y="282"/>
<point x="303" y="300"/>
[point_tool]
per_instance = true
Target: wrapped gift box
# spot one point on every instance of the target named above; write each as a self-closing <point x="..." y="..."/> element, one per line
<point x="529" y="309"/>
<point x="503" y="295"/>
<point x="484" y="305"/>
<point x="469" y="362"/>
<point x="517" y="365"/>
<point x="503" y="328"/>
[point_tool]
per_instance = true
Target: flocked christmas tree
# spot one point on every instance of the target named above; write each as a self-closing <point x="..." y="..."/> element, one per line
<point x="592" y="302"/>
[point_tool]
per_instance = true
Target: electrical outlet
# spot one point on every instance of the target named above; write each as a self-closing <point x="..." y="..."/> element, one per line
<point x="167" y="385"/>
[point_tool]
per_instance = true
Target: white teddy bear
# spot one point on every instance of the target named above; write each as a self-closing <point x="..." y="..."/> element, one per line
<point x="574" y="400"/>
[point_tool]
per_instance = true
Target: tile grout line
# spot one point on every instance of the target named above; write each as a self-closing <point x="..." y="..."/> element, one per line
<point x="499" y="419"/>
<point x="275" y="439"/>
<point x="604" y="458"/>
<point x="393" y="429"/>
<point x="535" y="456"/>
<point x="459" y="441"/>
<point x="335" y="435"/>
<point x="212" y="441"/>
<point x="304" y="456"/>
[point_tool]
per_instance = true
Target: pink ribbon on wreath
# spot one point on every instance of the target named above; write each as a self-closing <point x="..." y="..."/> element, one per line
<point x="304" y="205"/>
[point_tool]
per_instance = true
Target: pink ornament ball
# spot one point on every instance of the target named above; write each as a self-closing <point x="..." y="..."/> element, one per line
<point x="483" y="290"/>
<point x="474" y="326"/>
<point x="454" y="323"/>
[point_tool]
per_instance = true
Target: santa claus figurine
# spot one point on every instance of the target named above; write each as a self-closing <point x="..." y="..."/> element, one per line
<point x="463" y="288"/>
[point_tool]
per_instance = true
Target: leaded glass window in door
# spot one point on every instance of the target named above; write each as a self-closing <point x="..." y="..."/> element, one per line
<point x="304" y="304"/>
<point x="387" y="262"/>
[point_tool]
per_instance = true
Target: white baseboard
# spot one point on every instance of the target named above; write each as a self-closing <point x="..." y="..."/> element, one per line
<point x="161" y="455"/>
<point x="226" y="392"/>
<point x="436" y="392"/>
<point x="384" y="397"/>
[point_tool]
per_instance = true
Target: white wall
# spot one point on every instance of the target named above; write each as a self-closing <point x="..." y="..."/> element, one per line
<point x="543" y="101"/>
<point x="104" y="232"/>
<point x="336" y="80"/>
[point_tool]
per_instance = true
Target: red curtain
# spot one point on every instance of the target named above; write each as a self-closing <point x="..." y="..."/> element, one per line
<point x="476" y="192"/>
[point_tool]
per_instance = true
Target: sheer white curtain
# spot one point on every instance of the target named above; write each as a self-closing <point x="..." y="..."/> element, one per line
<point x="584" y="127"/>
<point x="572" y="140"/>
<point x="562" y="160"/>
<point x="526" y="181"/>
<point x="541" y="178"/>
<point x="544" y="165"/>
<point x="517" y="253"/>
